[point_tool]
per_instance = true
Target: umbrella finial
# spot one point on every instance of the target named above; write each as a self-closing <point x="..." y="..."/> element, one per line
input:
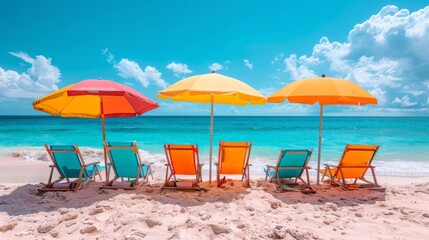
<point x="323" y="75"/>
<point x="213" y="71"/>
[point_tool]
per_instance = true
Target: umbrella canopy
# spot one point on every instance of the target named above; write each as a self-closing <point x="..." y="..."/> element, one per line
<point x="95" y="99"/>
<point x="212" y="88"/>
<point x="325" y="91"/>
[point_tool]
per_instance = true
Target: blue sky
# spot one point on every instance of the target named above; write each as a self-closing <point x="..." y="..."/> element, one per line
<point x="381" y="45"/>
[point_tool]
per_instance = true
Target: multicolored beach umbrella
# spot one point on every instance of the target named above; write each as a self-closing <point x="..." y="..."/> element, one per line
<point x="95" y="99"/>
<point x="212" y="88"/>
<point x="325" y="91"/>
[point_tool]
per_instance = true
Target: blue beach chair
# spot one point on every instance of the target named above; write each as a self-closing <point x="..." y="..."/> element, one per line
<point x="68" y="160"/>
<point x="291" y="164"/>
<point x="125" y="161"/>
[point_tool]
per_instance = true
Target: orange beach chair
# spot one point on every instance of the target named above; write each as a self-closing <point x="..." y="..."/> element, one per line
<point x="233" y="158"/>
<point x="353" y="165"/>
<point x="182" y="160"/>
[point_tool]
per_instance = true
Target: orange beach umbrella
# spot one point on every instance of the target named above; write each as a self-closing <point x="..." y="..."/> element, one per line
<point x="95" y="99"/>
<point x="325" y="91"/>
<point x="212" y="88"/>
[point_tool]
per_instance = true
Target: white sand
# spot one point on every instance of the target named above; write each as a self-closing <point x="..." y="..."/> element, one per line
<point x="230" y="212"/>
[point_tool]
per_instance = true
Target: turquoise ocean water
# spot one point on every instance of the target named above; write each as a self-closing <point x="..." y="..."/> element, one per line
<point x="404" y="140"/>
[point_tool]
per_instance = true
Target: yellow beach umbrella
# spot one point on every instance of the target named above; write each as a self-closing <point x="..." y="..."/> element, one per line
<point x="325" y="91"/>
<point x="212" y="88"/>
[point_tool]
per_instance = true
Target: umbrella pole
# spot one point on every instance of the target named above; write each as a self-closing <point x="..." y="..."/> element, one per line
<point x="211" y="138"/>
<point x="104" y="139"/>
<point x="320" y="143"/>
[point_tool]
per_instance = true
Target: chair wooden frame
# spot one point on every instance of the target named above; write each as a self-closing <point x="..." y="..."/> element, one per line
<point x="74" y="185"/>
<point x="170" y="173"/>
<point x="139" y="180"/>
<point x="304" y="168"/>
<point x="332" y="171"/>
<point x="246" y="166"/>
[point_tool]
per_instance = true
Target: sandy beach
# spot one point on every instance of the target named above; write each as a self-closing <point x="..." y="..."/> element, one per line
<point x="230" y="212"/>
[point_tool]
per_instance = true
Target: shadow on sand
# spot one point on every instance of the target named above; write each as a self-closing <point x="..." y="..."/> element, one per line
<point x="27" y="200"/>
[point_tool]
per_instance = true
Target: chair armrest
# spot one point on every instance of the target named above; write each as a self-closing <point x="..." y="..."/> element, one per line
<point x="308" y="167"/>
<point x="91" y="164"/>
<point x="52" y="165"/>
<point x="148" y="163"/>
<point x="201" y="164"/>
<point x="329" y="165"/>
<point x="167" y="164"/>
<point x="271" y="166"/>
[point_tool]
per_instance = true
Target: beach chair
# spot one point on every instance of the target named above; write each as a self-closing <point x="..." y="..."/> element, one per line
<point x="291" y="164"/>
<point x="124" y="160"/>
<point x="68" y="160"/>
<point x="353" y="165"/>
<point x="182" y="160"/>
<point x="233" y="158"/>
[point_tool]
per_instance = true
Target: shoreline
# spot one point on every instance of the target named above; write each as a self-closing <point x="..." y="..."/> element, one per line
<point x="20" y="171"/>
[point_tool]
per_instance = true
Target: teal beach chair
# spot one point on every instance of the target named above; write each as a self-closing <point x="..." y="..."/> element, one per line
<point x="127" y="166"/>
<point x="68" y="160"/>
<point x="291" y="164"/>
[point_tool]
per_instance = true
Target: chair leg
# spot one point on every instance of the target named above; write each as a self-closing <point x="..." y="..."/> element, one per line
<point x="279" y="183"/>
<point x="50" y="176"/>
<point x="151" y="171"/>
<point x="373" y="175"/>
<point x="266" y="174"/>
<point x="308" y="179"/>
<point x="248" y="176"/>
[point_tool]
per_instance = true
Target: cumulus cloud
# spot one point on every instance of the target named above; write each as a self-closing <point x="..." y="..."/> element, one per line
<point x="215" y="67"/>
<point x="386" y="54"/>
<point x="179" y="69"/>
<point x="404" y="101"/>
<point x="41" y="78"/>
<point x="129" y="69"/>
<point x="248" y="64"/>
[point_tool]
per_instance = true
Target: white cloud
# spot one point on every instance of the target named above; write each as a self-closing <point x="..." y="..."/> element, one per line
<point x="130" y="69"/>
<point x="292" y="109"/>
<point x="41" y="78"/>
<point x="379" y="94"/>
<point x="248" y="64"/>
<point x="110" y="58"/>
<point x="267" y="91"/>
<point x="382" y="54"/>
<point x="277" y="58"/>
<point x="297" y="68"/>
<point x="179" y="69"/>
<point x="215" y="67"/>
<point x="404" y="101"/>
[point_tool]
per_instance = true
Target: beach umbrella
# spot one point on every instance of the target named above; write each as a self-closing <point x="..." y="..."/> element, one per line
<point x="212" y="88"/>
<point x="325" y="91"/>
<point x="95" y="99"/>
